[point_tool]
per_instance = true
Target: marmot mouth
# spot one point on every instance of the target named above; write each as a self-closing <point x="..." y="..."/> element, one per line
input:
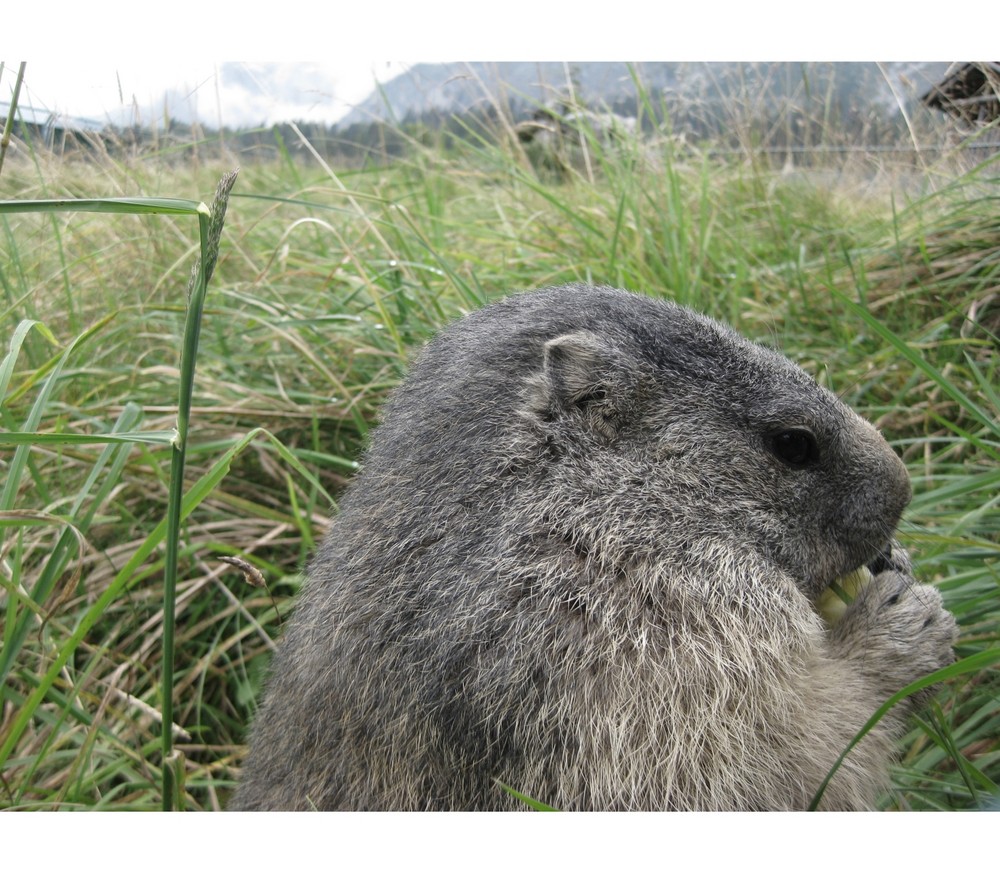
<point x="833" y="601"/>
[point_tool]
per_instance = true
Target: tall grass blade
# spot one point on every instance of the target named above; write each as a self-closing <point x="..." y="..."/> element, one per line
<point x="971" y="664"/>
<point x="210" y="223"/>
<point x="17" y="465"/>
<point x="9" y="124"/>
<point x="95" y="490"/>
<point x="919" y="362"/>
<point x="191" y="500"/>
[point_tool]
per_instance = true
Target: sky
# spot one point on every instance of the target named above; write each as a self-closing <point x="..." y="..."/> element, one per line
<point x="215" y="93"/>
<point x="108" y="61"/>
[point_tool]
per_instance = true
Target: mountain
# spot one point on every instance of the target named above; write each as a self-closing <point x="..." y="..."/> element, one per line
<point x="458" y="87"/>
<point x="448" y="89"/>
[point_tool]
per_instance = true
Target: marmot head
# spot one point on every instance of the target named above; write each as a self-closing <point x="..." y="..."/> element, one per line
<point x="712" y="429"/>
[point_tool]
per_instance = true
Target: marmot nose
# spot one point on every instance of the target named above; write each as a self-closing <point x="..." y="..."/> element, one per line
<point x="879" y="482"/>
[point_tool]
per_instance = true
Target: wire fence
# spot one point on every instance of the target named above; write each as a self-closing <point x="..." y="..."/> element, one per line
<point x="861" y="149"/>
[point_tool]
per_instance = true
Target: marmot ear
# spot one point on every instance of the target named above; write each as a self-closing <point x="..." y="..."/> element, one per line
<point x="580" y="373"/>
<point x="576" y="369"/>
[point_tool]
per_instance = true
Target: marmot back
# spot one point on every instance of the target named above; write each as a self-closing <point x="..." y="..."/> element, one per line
<point x="582" y="559"/>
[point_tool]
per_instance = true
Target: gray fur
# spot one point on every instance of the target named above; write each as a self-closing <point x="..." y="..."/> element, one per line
<point x="574" y="563"/>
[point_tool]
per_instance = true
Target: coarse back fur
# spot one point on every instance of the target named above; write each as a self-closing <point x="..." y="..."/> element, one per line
<point x="581" y="560"/>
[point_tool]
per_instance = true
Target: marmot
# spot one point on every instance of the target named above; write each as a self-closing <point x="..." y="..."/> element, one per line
<point x="582" y="559"/>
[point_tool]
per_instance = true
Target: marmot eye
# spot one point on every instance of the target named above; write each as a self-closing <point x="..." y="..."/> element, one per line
<point x="796" y="447"/>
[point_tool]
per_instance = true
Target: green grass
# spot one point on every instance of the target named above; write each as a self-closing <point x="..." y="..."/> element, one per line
<point x="327" y="280"/>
